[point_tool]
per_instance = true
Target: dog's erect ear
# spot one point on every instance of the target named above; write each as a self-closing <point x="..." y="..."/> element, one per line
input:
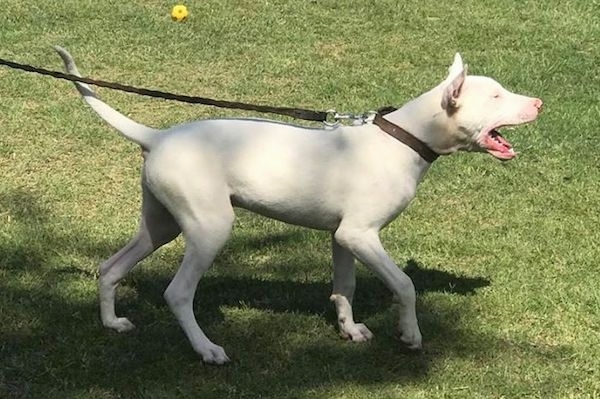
<point x="456" y="67"/>
<point x="454" y="82"/>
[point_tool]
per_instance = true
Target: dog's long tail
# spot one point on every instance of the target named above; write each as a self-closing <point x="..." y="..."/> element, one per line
<point x="136" y="132"/>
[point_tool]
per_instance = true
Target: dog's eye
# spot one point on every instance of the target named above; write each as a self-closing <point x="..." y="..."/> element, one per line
<point x="496" y="96"/>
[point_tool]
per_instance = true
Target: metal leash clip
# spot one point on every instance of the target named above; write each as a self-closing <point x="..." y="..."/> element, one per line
<point x="334" y="118"/>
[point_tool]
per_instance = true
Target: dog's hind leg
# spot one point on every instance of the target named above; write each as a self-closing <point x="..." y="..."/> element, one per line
<point x="157" y="227"/>
<point x="206" y="225"/>
<point x="344" y="283"/>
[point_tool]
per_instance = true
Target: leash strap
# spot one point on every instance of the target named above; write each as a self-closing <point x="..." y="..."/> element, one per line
<point x="403" y="136"/>
<point x="318" y="116"/>
<point x="298" y="113"/>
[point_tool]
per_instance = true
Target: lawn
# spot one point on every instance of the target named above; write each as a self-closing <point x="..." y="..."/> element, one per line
<point x="504" y="256"/>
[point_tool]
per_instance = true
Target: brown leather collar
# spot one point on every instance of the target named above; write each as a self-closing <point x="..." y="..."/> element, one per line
<point x="403" y="136"/>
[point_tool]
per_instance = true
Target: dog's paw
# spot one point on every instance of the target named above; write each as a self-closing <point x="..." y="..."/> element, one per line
<point x="357" y="332"/>
<point x="120" y="324"/>
<point x="412" y="342"/>
<point x="214" y="354"/>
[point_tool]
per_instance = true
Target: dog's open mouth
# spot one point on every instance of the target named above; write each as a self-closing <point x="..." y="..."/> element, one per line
<point x="497" y="145"/>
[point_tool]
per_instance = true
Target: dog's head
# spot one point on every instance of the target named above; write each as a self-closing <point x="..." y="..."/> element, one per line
<point x="474" y="109"/>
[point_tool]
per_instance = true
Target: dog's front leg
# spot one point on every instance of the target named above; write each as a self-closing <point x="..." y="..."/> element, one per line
<point x="344" y="283"/>
<point x="366" y="246"/>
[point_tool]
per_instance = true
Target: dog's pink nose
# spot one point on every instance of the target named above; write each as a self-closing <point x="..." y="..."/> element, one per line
<point x="538" y="103"/>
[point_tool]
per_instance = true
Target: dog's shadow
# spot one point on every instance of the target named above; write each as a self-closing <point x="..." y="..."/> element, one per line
<point x="281" y="302"/>
<point x="307" y="297"/>
<point x="286" y="294"/>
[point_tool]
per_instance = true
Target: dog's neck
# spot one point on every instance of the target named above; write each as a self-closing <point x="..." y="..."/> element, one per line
<point x="425" y="119"/>
<point x="405" y="137"/>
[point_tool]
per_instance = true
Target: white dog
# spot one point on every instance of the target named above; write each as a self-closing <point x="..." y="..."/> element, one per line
<point x="350" y="180"/>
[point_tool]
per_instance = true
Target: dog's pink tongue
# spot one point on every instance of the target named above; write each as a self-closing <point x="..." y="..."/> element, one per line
<point x="498" y="146"/>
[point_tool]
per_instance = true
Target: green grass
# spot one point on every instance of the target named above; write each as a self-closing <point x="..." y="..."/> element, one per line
<point x="505" y="257"/>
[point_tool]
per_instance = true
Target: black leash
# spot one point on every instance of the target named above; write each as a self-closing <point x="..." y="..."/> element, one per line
<point x="298" y="113"/>
<point x="318" y="116"/>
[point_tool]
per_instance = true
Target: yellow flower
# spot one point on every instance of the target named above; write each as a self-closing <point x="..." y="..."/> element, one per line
<point x="179" y="13"/>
